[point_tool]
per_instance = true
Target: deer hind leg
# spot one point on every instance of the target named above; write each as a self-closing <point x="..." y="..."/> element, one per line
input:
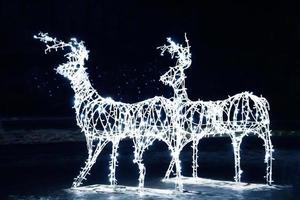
<point x="268" y="154"/>
<point x="113" y="163"/>
<point x="138" y="159"/>
<point x="236" y="143"/>
<point x="93" y="154"/>
<point x="170" y="169"/>
<point x="195" y="156"/>
<point x="138" y="156"/>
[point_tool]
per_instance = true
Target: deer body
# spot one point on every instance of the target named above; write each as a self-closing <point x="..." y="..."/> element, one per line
<point x="237" y="116"/>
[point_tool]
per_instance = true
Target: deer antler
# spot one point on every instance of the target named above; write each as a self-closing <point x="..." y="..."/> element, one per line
<point x="56" y="44"/>
<point x="78" y="51"/>
<point x="182" y="54"/>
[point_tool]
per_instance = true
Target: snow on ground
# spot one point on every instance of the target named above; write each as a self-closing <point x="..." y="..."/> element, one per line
<point x="130" y="190"/>
<point x="198" y="183"/>
<point x="224" y="184"/>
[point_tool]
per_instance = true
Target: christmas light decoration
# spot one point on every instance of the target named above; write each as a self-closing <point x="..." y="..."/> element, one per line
<point x="177" y="121"/>
<point x="238" y="116"/>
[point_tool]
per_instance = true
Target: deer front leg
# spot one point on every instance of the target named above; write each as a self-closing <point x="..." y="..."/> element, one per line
<point x="178" y="182"/>
<point x="89" y="163"/>
<point x="113" y="163"/>
<point x="83" y="172"/>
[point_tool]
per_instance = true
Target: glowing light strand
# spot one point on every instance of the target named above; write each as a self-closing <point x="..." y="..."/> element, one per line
<point x="176" y="121"/>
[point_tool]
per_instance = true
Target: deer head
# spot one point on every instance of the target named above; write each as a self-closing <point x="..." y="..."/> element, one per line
<point x="175" y="75"/>
<point x="75" y="58"/>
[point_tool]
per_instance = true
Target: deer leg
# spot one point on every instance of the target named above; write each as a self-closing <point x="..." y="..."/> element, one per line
<point x="113" y="163"/>
<point x="195" y="157"/>
<point x="89" y="163"/>
<point x="141" y="143"/>
<point x="268" y="156"/>
<point x="138" y="159"/>
<point x="170" y="169"/>
<point x="142" y="174"/>
<point x="236" y="142"/>
<point x="178" y="182"/>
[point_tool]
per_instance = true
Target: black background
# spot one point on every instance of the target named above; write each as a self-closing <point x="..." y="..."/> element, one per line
<point x="236" y="46"/>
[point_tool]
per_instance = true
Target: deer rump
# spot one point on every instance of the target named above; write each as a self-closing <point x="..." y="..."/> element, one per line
<point x="239" y="113"/>
<point x="244" y="112"/>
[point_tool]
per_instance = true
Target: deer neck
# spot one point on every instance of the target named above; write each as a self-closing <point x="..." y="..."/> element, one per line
<point x="179" y="86"/>
<point x="83" y="89"/>
<point x="180" y="93"/>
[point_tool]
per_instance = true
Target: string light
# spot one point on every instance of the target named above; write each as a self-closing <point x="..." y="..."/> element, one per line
<point x="177" y="121"/>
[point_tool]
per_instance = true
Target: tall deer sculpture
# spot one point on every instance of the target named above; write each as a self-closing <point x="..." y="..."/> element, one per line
<point x="238" y="116"/>
<point x="104" y="120"/>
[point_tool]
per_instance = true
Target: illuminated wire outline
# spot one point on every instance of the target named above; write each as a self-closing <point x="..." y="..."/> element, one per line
<point x="177" y="121"/>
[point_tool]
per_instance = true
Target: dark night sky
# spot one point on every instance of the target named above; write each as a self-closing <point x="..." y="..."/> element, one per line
<point x="236" y="46"/>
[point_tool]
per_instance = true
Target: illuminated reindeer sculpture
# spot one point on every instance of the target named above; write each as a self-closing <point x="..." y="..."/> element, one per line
<point x="238" y="116"/>
<point x="196" y="117"/>
<point x="104" y="120"/>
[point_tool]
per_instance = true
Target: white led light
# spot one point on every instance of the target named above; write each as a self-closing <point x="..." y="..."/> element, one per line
<point x="177" y="121"/>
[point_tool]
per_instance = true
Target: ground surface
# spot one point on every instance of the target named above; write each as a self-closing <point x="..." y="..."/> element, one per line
<point x="44" y="171"/>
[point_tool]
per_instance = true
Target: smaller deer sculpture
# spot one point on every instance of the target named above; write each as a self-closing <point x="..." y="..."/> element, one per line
<point x="238" y="116"/>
